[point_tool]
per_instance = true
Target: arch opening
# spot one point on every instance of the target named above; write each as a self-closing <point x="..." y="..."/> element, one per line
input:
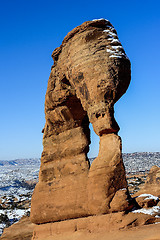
<point x="94" y="145"/>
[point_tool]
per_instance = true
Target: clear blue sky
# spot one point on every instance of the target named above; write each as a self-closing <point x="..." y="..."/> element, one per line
<point x="31" y="29"/>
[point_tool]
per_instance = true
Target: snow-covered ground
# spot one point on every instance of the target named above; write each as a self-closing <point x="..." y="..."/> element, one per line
<point x="140" y="161"/>
<point x="13" y="175"/>
<point x="17" y="181"/>
<point x="150" y="211"/>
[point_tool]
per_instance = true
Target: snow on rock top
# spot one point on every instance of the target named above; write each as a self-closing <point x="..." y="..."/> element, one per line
<point x="115" y="56"/>
<point x="149" y="211"/>
<point x="100" y="19"/>
<point x="114" y="48"/>
<point x="117" y="47"/>
<point x="148" y="196"/>
<point x="110" y="33"/>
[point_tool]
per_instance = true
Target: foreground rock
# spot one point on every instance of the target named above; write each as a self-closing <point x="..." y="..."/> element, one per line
<point x="113" y="226"/>
<point x="152" y="183"/>
<point x="23" y="230"/>
<point x="107" y="227"/>
<point x="149" y="232"/>
<point x="147" y="200"/>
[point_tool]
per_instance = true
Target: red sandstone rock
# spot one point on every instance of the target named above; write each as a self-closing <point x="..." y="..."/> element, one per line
<point x="90" y="73"/>
<point x="106" y="225"/>
<point x="147" y="200"/>
<point x="106" y="176"/>
<point x="152" y="184"/>
<point x="22" y="230"/>
<point x="121" y="201"/>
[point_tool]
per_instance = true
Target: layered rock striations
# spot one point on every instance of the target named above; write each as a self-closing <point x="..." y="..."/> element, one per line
<point x="90" y="73"/>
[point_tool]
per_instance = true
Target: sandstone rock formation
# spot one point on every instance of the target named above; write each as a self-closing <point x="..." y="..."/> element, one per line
<point x="147" y="200"/>
<point x="152" y="184"/>
<point x="90" y="73"/>
<point x="114" y="226"/>
<point x="22" y="230"/>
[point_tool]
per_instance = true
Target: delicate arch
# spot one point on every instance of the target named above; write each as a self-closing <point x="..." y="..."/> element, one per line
<point x="90" y="73"/>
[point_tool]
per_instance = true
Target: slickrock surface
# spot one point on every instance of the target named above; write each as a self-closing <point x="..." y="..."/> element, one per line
<point x="108" y="227"/>
<point x="114" y="226"/>
<point x="149" y="232"/>
<point x="23" y="230"/>
<point x="90" y="73"/>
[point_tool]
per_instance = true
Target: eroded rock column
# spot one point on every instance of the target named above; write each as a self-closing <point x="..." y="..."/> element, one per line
<point x="106" y="177"/>
<point x="61" y="191"/>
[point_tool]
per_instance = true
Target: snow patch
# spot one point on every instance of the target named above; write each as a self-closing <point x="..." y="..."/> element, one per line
<point x="106" y="31"/>
<point x="148" y="196"/>
<point x="115" y="56"/>
<point x="110" y="27"/>
<point x="15" y="213"/>
<point x="110" y="33"/>
<point x="115" y="40"/>
<point x="110" y="51"/>
<point x="117" y="47"/>
<point x="149" y="211"/>
<point x="2" y="226"/>
<point x="123" y="189"/>
<point x="100" y="19"/>
<point x="110" y="37"/>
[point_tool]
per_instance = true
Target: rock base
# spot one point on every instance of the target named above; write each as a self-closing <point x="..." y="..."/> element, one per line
<point x="79" y="228"/>
<point x="22" y="230"/>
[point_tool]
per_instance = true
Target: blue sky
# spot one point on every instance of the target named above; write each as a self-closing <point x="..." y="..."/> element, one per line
<point x="30" y="30"/>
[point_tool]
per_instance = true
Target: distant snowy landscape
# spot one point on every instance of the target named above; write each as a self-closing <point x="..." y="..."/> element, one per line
<point x="17" y="181"/>
<point x="15" y="173"/>
<point x="18" y="178"/>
